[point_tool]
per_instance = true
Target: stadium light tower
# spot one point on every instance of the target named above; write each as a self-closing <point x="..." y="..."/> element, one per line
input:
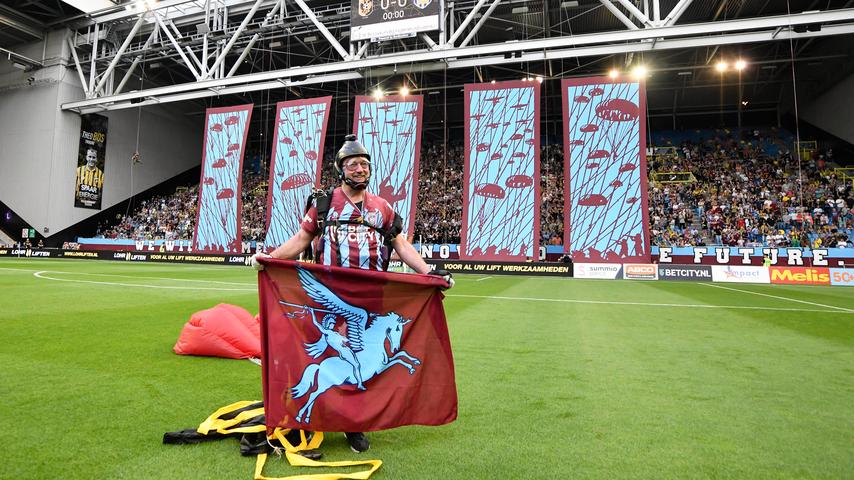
<point x="614" y="73"/>
<point x="721" y="66"/>
<point x="378" y="93"/>
<point x="404" y="90"/>
<point x="640" y="72"/>
<point x="740" y="64"/>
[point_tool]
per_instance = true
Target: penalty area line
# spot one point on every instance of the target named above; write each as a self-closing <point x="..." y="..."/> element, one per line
<point x="643" y="304"/>
<point x="42" y="276"/>
<point x="846" y="310"/>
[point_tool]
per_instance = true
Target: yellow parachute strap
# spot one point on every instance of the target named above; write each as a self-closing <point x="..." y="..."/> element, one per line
<point x="297" y="460"/>
<point x="213" y="422"/>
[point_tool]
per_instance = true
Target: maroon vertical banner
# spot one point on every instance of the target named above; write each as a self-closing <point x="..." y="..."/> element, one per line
<point x="296" y="166"/>
<point x="606" y="216"/>
<point x="219" y="208"/>
<point x="390" y="129"/>
<point x="501" y="211"/>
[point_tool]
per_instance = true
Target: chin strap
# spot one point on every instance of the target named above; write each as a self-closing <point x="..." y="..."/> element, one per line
<point x="357" y="185"/>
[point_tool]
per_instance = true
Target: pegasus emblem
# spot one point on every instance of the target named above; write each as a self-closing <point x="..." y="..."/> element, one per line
<point x="361" y="355"/>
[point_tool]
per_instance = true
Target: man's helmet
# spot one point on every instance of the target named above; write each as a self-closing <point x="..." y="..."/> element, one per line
<point x="351" y="148"/>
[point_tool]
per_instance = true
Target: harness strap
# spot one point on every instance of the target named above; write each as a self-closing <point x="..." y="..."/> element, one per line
<point x="297" y="460"/>
<point x="322" y="200"/>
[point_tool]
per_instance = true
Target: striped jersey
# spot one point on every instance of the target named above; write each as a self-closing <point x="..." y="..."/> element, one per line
<point x="349" y="245"/>
<point x="92" y="177"/>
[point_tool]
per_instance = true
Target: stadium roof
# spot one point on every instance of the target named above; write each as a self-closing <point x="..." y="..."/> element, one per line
<point x="154" y="55"/>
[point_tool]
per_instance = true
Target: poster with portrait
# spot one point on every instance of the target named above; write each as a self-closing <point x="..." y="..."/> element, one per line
<point x="91" y="156"/>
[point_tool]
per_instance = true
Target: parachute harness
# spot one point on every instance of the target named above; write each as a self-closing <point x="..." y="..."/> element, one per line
<point x="247" y="417"/>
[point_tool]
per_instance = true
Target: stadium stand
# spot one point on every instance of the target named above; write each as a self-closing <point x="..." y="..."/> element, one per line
<point x="709" y="187"/>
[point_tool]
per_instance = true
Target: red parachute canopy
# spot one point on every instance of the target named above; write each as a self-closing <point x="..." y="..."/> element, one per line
<point x="222" y="331"/>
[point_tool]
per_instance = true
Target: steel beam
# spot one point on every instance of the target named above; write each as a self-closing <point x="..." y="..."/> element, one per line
<point x="466" y="21"/>
<point x="634" y="11"/>
<point x="222" y="54"/>
<point x="617" y="13"/>
<point x="323" y="30"/>
<point x="480" y="23"/>
<point x="622" y="41"/>
<point x="649" y="46"/>
<point x="429" y="41"/>
<point x="362" y="49"/>
<point x="90" y="87"/>
<point x="242" y="56"/>
<point x="136" y="60"/>
<point x="106" y="75"/>
<point x="21" y="27"/>
<point x="165" y="30"/>
<point x="252" y="41"/>
<point x="79" y="68"/>
<point x="212" y="92"/>
<point x="677" y="12"/>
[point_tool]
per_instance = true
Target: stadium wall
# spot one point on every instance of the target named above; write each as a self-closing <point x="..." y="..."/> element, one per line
<point x="833" y="111"/>
<point x="40" y="142"/>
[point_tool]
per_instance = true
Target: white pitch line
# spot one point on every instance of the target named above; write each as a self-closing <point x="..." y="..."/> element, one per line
<point x="482" y="279"/>
<point x="141" y="285"/>
<point x="151" y="278"/>
<point x="847" y="310"/>
<point x="129" y="276"/>
<point x="41" y="274"/>
<point x="642" y="304"/>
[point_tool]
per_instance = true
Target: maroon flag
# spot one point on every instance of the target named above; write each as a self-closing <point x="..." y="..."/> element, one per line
<point x="350" y="350"/>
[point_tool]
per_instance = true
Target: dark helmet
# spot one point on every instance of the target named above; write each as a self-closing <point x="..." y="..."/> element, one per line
<point x="351" y="148"/>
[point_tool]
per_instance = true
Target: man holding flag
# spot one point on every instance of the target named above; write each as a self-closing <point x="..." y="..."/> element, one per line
<point x="356" y="230"/>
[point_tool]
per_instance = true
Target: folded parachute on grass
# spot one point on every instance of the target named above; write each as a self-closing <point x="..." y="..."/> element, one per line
<point x="225" y="331"/>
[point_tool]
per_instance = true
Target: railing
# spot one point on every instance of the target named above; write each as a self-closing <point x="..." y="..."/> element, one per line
<point x="672" y="177"/>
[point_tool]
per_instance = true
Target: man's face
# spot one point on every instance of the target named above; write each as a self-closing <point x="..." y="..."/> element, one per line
<point x="91" y="158"/>
<point x="357" y="169"/>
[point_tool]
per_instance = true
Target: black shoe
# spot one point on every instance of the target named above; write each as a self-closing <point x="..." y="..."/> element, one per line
<point x="358" y="441"/>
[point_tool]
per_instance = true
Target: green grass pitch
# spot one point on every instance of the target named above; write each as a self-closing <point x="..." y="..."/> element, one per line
<point x="557" y="378"/>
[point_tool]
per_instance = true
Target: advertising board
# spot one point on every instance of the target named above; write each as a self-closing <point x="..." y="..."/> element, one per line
<point x="800" y="275"/>
<point x="695" y="273"/>
<point x="640" y="271"/>
<point x="605" y="271"/>
<point x="738" y="274"/>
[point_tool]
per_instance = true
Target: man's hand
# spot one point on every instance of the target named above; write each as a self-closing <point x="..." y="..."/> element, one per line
<point x="446" y="275"/>
<point x="254" y="263"/>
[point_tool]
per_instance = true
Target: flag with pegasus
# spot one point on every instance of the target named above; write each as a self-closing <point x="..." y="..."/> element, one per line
<point x="348" y="350"/>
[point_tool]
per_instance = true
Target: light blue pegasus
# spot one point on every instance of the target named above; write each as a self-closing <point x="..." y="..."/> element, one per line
<point x="367" y="333"/>
<point x="330" y="338"/>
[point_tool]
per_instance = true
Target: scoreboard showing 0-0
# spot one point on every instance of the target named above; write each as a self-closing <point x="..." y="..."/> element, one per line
<point x="387" y="19"/>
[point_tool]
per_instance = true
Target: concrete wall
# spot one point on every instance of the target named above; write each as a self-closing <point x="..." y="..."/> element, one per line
<point x="833" y="111"/>
<point x="39" y="142"/>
